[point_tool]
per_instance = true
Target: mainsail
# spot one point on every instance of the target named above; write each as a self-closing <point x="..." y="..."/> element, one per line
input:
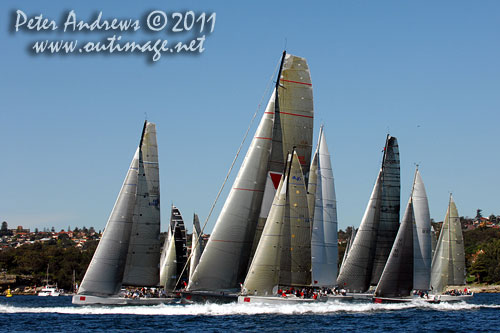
<point x="389" y="207"/>
<point x="283" y="256"/>
<point x="324" y="247"/>
<point x="367" y="257"/>
<point x="196" y="246"/>
<point x="421" y="235"/>
<point x="397" y="277"/>
<point x="355" y="273"/>
<point x="287" y="122"/>
<point x="448" y="264"/>
<point x="129" y="247"/>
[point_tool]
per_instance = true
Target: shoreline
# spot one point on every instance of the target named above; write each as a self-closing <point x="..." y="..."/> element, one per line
<point x="479" y="288"/>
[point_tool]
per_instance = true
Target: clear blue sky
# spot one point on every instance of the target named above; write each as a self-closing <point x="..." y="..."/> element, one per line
<point x="426" y="71"/>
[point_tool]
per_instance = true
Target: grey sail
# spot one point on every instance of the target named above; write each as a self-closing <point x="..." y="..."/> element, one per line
<point x="355" y="273"/>
<point x="389" y="207"/>
<point x="263" y="274"/>
<point x="397" y="277"/>
<point x="141" y="267"/>
<point x="292" y="127"/>
<point x="421" y="236"/>
<point x="448" y="264"/>
<point x="225" y="258"/>
<point x="105" y="273"/>
<point x="196" y="246"/>
<point x="324" y="244"/>
<point x="227" y="255"/>
<point x="283" y="256"/>
<point x="349" y="242"/>
<point x="295" y="262"/>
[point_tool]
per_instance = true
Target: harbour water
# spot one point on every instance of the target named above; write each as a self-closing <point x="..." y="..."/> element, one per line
<point x="57" y="314"/>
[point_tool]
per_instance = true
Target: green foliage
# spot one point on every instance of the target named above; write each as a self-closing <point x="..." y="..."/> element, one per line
<point x="60" y="256"/>
<point x="482" y="253"/>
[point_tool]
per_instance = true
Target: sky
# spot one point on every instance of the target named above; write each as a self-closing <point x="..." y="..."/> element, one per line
<point x="427" y="72"/>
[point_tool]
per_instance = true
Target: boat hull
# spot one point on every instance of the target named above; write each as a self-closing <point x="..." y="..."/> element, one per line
<point x="278" y="300"/>
<point x="458" y="298"/>
<point x="208" y="297"/>
<point x="116" y="300"/>
<point x="405" y="300"/>
<point x="339" y="298"/>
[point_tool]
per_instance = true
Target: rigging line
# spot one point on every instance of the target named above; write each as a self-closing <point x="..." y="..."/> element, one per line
<point x="230" y="169"/>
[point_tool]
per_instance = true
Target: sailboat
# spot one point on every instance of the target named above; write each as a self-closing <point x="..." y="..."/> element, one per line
<point x="286" y="123"/>
<point x="371" y="247"/>
<point x="49" y="290"/>
<point x="448" y="263"/>
<point x="407" y="266"/>
<point x="283" y="257"/>
<point x="129" y="251"/>
<point x="174" y="254"/>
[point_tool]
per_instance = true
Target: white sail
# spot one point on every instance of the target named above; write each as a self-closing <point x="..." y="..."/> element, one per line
<point x="324" y="244"/>
<point x="196" y="246"/>
<point x="422" y="236"/>
<point x="225" y="257"/>
<point x="448" y="264"/>
<point x="168" y="268"/>
<point x="355" y="273"/>
<point x="127" y="231"/>
<point x="141" y="268"/>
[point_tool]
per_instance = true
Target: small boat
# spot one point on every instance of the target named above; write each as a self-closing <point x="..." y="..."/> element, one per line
<point x="49" y="291"/>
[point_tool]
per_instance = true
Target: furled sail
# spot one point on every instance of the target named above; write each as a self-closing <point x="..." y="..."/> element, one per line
<point x="355" y="273"/>
<point x="141" y="268"/>
<point x="448" y="264"/>
<point x="421" y="235"/>
<point x="397" y="277"/>
<point x="105" y="274"/>
<point x="196" y="246"/>
<point x="389" y="207"/>
<point x="324" y="247"/>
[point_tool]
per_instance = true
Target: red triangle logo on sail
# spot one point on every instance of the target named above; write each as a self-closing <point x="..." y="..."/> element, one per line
<point x="275" y="177"/>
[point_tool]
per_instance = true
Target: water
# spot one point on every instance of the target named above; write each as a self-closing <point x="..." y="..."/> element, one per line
<point x="57" y="314"/>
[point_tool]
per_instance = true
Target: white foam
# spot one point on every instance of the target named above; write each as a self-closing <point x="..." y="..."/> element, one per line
<point x="243" y="309"/>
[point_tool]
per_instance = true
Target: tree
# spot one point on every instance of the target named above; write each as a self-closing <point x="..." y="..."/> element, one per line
<point x="478" y="214"/>
<point x="5" y="229"/>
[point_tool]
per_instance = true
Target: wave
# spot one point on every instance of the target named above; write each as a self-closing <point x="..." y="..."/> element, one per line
<point x="243" y="309"/>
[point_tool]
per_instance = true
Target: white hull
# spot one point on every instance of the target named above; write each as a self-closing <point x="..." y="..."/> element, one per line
<point x="450" y="298"/>
<point x="116" y="300"/>
<point x="417" y="300"/>
<point x="365" y="296"/>
<point x="278" y="300"/>
<point x="339" y="297"/>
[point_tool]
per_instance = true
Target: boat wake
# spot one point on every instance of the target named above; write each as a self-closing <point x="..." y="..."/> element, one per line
<point x="245" y="309"/>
